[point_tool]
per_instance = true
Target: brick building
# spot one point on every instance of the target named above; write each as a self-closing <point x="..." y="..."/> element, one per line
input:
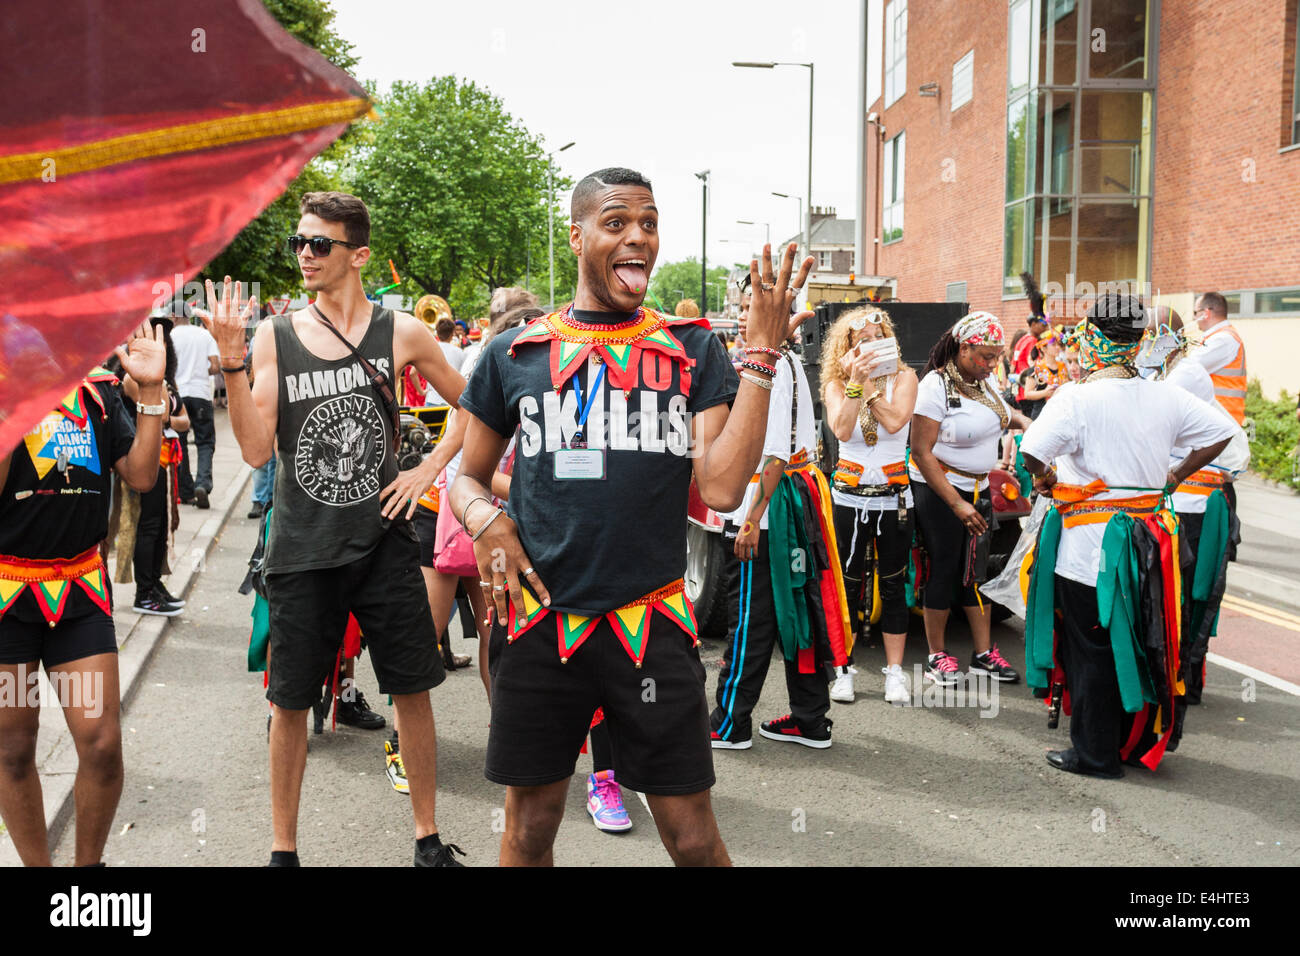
<point x="1150" y="144"/>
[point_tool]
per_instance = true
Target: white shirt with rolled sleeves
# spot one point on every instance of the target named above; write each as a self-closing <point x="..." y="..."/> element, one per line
<point x="1120" y="431"/>
<point x="969" y="436"/>
<point x="777" y="442"/>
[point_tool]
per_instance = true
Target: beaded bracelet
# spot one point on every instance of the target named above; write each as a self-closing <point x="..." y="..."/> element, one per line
<point x="759" y="367"/>
<point x="755" y="380"/>
<point x="852" y="390"/>
<point x="762" y="350"/>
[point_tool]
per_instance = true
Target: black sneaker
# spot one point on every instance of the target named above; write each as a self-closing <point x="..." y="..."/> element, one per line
<point x="201" y="498"/>
<point x="357" y="713"/>
<point x="786" y="728"/>
<point x="257" y="510"/>
<point x="440" y="855"/>
<point x="161" y="593"/>
<point x="151" y="604"/>
<point x="994" y="665"/>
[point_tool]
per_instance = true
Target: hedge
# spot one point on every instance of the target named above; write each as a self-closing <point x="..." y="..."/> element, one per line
<point x="1272" y="453"/>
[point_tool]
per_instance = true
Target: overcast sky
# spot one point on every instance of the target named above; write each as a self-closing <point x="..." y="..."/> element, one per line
<point x="651" y="86"/>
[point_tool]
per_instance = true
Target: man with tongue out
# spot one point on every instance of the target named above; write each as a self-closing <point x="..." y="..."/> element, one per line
<point x="618" y="407"/>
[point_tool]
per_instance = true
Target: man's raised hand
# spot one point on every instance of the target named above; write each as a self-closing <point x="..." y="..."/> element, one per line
<point x="226" y="319"/>
<point x="771" y="297"/>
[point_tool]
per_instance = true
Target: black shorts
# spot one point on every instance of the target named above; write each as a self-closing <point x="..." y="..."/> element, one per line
<point x="83" y="631"/>
<point x="657" y="716"/>
<point x="425" y="524"/>
<point x="386" y="593"/>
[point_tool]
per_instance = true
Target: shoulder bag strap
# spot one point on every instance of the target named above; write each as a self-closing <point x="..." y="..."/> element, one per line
<point x="378" y="380"/>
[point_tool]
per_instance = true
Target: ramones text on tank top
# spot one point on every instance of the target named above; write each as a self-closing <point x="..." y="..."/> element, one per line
<point x="336" y="451"/>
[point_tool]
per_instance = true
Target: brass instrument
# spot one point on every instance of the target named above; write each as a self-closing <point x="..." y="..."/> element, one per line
<point x="431" y="308"/>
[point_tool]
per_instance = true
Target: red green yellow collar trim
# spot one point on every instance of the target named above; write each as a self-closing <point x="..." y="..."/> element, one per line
<point x="619" y="346"/>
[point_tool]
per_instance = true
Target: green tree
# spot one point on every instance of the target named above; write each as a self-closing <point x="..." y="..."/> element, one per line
<point x="258" y="253"/>
<point x="674" y="281"/>
<point x="456" y="189"/>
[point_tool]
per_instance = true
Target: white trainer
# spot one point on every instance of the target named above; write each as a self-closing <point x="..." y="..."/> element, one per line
<point x="842" y="689"/>
<point x="895" y="685"/>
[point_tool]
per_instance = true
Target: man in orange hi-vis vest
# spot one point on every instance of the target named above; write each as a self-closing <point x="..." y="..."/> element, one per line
<point x="1223" y="354"/>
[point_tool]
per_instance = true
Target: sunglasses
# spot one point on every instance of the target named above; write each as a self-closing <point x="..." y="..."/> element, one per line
<point x="320" y="245"/>
<point x="859" y="322"/>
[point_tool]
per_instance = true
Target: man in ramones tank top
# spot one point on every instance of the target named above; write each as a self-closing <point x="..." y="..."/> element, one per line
<point x="340" y="540"/>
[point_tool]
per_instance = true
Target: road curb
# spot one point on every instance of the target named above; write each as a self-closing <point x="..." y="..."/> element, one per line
<point x="58" y="769"/>
<point x="1263" y="587"/>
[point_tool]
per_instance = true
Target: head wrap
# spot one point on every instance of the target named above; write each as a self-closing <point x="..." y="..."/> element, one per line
<point x="978" y="328"/>
<point x="1098" y="352"/>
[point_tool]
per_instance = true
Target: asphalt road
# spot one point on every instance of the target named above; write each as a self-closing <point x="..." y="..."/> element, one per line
<point x="922" y="785"/>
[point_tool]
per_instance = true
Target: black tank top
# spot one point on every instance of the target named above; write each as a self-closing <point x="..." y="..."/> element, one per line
<point x="336" y="451"/>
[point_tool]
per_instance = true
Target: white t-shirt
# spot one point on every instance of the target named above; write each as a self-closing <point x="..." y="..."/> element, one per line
<point x="194" y="344"/>
<point x="969" y="436"/>
<point x="1119" y="431"/>
<point x="1193" y="378"/>
<point x="455" y="358"/>
<point x="890" y="447"/>
<point x="777" y="442"/>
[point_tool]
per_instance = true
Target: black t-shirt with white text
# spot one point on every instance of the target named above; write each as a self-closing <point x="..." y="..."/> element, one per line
<point x="598" y="544"/>
<point x="55" y="501"/>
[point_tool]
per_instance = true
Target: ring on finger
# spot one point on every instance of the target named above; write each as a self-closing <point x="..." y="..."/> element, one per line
<point x="485" y="584"/>
<point x="768" y="286"/>
<point x="498" y="587"/>
<point x="528" y="571"/>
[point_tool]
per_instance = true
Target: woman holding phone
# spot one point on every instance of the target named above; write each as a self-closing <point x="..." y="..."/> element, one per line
<point x="869" y="395"/>
<point x="956" y="434"/>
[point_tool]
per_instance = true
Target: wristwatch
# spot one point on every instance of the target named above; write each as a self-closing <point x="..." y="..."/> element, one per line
<point x="159" y="409"/>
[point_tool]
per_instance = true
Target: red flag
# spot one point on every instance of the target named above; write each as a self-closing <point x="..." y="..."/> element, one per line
<point x="137" y="139"/>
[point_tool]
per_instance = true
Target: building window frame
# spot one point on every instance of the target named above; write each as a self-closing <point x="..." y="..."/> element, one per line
<point x="895" y="51"/>
<point x="823" y="260"/>
<point x="963" y="81"/>
<point x="1053" y="174"/>
<point x="1247" y="303"/>
<point x="1295" y="85"/>
<point x="892" y="189"/>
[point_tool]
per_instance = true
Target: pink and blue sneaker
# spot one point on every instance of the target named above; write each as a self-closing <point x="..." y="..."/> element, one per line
<point x="605" y="803"/>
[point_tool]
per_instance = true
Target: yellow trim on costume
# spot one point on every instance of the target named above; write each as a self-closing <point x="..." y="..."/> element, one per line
<point x="184" y="138"/>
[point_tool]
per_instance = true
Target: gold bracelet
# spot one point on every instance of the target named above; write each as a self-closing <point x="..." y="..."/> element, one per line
<point x="875" y="397"/>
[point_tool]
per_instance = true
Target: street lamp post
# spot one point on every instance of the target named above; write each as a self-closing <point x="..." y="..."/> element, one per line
<point x="550" y="216"/>
<point x="767" y="228"/>
<point x="767" y="66"/>
<point x="704" y="239"/>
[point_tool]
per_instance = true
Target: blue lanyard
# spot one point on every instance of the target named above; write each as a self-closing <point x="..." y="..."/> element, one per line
<point x="585" y="408"/>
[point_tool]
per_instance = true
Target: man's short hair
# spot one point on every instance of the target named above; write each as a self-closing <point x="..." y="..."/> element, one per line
<point x="444" y="328"/>
<point x="341" y="208"/>
<point x="584" y="194"/>
<point x="1215" y="302"/>
<point x="1121" y="318"/>
<point x="1040" y="319"/>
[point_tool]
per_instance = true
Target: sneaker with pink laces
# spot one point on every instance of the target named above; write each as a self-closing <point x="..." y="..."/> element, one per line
<point x="992" y="663"/>
<point x="605" y="803"/>
<point x="943" y="669"/>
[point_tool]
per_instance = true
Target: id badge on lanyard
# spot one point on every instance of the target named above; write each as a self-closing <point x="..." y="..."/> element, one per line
<point x="575" y="461"/>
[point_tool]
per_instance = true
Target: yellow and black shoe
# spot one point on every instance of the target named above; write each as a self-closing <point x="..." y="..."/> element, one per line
<point x="395" y="769"/>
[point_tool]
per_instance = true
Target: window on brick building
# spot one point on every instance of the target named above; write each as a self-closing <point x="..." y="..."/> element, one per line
<point x="1295" y="93"/>
<point x="895" y="50"/>
<point x="892" y="182"/>
<point x="1080" y="90"/>
<point x="963" y="80"/>
<point x="823" y="260"/>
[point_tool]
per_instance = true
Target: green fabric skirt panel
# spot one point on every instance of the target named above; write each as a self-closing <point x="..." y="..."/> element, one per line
<point x="1119" y="610"/>
<point x="261" y="638"/>
<point x="1040" y="608"/>
<point x="788" y="561"/>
